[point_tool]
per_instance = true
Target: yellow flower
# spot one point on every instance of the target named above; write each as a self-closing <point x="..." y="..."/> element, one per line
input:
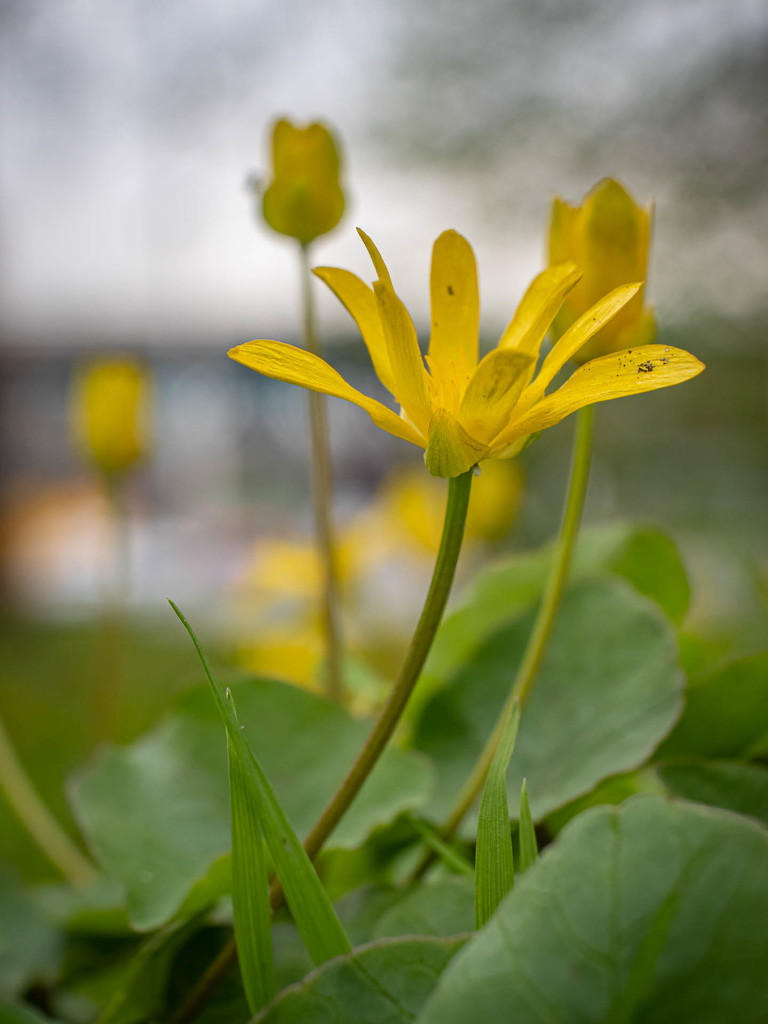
<point x="305" y="199"/>
<point x="607" y="237"/>
<point x="459" y="410"/>
<point x="110" y="412"/>
<point x="416" y="503"/>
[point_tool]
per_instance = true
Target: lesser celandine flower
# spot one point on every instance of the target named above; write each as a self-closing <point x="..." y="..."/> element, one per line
<point x="608" y="238"/>
<point x="459" y="410"/>
<point x="304" y="199"/>
<point x="110" y="413"/>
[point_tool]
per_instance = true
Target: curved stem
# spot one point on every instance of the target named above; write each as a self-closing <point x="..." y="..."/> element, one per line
<point x="542" y="628"/>
<point x="322" y="486"/>
<point x="385" y="725"/>
<point x="442" y="578"/>
<point x="24" y="799"/>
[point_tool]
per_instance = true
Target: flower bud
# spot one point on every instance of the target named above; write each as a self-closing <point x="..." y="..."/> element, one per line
<point x="607" y="237"/>
<point x="110" y="413"/>
<point x="304" y="199"/>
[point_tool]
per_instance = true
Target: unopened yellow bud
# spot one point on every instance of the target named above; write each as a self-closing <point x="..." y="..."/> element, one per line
<point x="111" y="414"/>
<point x="304" y="199"/>
<point x="608" y="238"/>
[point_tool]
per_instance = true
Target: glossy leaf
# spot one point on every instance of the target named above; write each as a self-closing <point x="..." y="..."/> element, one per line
<point x="140" y="992"/>
<point x="157" y="811"/>
<point x="441" y="907"/>
<point x="385" y="981"/>
<point x="725" y="714"/>
<point x="608" y="691"/>
<point x="12" y="1013"/>
<point x="737" y="787"/>
<point x="644" y="556"/>
<point x="652" y="912"/>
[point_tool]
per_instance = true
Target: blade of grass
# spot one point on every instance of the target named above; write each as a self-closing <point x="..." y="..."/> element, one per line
<point x="250" y="890"/>
<point x="450" y="857"/>
<point x="529" y="848"/>
<point x="315" y="918"/>
<point x="494" y="865"/>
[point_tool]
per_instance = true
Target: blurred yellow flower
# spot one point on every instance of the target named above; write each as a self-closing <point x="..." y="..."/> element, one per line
<point x="279" y="588"/>
<point x="415" y="503"/>
<point x="292" y="651"/>
<point x="304" y="199"/>
<point x="110" y="407"/>
<point x="608" y="238"/>
<point x="459" y="410"/>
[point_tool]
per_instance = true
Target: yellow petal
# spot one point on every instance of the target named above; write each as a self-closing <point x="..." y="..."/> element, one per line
<point x="527" y="328"/>
<point x="378" y="263"/>
<point x="493" y="391"/>
<point x="408" y="373"/>
<point x="573" y="339"/>
<point x="360" y="302"/>
<point x="295" y="366"/>
<point x="451" y="451"/>
<point x="561" y="249"/>
<point x="455" y="301"/>
<point x="608" y="237"/>
<point x="615" y="238"/>
<point x="613" y="376"/>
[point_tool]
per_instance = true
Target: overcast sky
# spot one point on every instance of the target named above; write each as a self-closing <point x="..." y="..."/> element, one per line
<point x="127" y="129"/>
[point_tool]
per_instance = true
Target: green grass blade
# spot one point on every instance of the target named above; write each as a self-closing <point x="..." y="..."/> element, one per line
<point x="494" y="865"/>
<point x="250" y="891"/>
<point x="450" y="857"/>
<point x="320" y="928"/>
<point x="529" y="849"/>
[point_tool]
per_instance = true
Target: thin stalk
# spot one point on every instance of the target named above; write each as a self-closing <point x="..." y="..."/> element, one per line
<point x="41" y="825"/>
<point x="389" y="716"/>
<point x="542" y="628"/>
<point x="323" y="488"/>
<point x="111" y="639"/>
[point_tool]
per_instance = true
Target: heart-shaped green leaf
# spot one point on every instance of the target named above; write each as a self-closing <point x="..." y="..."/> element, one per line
<point x="651" y="912"/>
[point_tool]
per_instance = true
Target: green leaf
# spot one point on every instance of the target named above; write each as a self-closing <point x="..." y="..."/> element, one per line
<point x="644" y="556"/>
<point x="250" y="890"/>
<point x="725" y="714"/>
<point x="156" y="813"/>
<point x="651" y="912"/>
<point x="11" y="1013"/>
<point x="385" y="981"/>
<point x="312" y="911"/>
<point x="443" y="907"/>
<point x="30" y="946"/>
<point x="529" y="849"/>
<point x="494" y="866"/>
<point x="608" y="690"/>
<point x="141" y="989"/>
<point x="614" y="790"/>
<point x="737" y="787"/>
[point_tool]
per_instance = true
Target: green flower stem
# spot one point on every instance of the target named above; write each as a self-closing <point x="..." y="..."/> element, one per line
<point x="542" y="628"/>
<point x="109" y="667"/>
<point x="26" y="802"/>
<point x="322" y="485"/>
<point x="442" y="578"/>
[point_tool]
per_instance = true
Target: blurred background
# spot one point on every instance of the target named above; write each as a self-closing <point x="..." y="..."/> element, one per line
<point x="128" y="132"/>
